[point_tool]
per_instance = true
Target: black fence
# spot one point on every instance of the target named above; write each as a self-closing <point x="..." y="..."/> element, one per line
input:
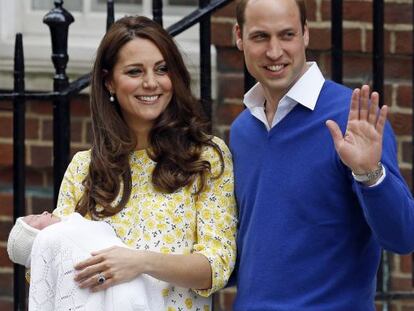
<point x="59" y="20"/>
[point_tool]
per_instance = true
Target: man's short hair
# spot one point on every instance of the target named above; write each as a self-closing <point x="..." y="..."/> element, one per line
<point x="241" y="8"/>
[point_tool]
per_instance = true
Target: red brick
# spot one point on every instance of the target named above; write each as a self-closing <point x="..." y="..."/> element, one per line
<point x="356" y="65"/>
<point x="226" y="113"/>
<point x="6" y="105"/>
<point x="398" y="13"/>
<point x="311" y="10"/>
<point x="406" y="263"/>
<point x="398" y="67"/>
<point x="226" y="136"/>
<point x="41" y="204"/>
<point x="32" y="128"/>
<point x="404" y="96"/>
<point x="228" y="299"/>
<point x="5" y="227"/>
<point x="352" y="40"/>
<point x="34" y="177"/>
<point x="6" y="304"/>
<point x="407" y="152"/>
<point x="41" y="156"/>
<point x="229" y="60"/>
<point x="406" y="173"/>
<point x="227" y="11"/>
<point x="48" y="177"/>
<point x="323" y="58"/>
<point x="399" y="283"/>
<point x="6" y="284"/>
<point x="6" y="126"/>
<point x="369" y="41"/>
<point x="6" y="154"/>
<point x="6" y="175"/>
<point x="387" y="95"/>
<point x="79" y="106"/>
<point x="230" y="86"/>
<point x="222" y="33"/>
<point x="40" y="107"/>
<point x="352" y="11"/>
<point x="6" y="204"/>
<point x="403" y="42"/>
<point x="320" y="39"/>
<point x="401" y="123"/>
<point x="76" y="129"/>
<point x="357" y="11"/>
<point x="47" y="130"/>
<point x="4" y="258"/>
<point x="88" y="132"/>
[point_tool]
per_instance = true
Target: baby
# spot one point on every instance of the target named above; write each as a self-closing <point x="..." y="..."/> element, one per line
<point x="52" y="246"/>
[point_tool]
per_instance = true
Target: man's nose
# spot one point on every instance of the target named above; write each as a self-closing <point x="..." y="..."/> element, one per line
<point x="274" y="50"/>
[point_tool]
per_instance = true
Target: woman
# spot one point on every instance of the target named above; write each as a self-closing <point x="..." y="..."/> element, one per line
<point x="153" y="173"/>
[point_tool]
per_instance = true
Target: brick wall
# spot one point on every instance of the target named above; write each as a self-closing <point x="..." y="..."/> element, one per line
<point x="39" y="174"/>
<point x="357" y="69"/>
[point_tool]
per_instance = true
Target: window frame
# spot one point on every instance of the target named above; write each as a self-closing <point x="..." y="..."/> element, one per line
<point x="84" y="36"/>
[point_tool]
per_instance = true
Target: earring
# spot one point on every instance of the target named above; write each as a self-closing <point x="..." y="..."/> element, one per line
<point x="111" y="97"/>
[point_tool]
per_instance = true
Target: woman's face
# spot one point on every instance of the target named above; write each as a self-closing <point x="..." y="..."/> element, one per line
<point x="41" y="221"/>
<point x="141" y="83"/>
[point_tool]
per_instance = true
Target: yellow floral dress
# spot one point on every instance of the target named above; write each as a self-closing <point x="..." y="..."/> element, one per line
<point x="181" y="222"/>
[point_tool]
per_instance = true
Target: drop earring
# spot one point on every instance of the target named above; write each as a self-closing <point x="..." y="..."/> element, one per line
<point x="111" y="97"/>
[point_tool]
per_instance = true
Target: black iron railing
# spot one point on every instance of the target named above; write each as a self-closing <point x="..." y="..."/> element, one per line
<point x="58" y="20"/>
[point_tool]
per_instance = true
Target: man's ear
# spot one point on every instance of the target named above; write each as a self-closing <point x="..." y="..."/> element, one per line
<point x="306" y="35"/>
<point x="238" y="35"/>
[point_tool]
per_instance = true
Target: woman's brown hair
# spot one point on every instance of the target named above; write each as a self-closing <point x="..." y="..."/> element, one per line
<point x="176" y="140"/>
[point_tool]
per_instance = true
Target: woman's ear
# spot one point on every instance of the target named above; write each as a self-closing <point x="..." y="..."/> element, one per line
<point x="107" y="81"/>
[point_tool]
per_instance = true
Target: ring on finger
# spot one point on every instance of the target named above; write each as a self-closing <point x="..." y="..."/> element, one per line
<point x="101" y="278"/>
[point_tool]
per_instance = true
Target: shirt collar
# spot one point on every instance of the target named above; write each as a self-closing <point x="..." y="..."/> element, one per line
<point x="305" y="91"/>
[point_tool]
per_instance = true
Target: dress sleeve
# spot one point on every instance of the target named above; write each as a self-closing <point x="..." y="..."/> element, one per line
<point x="217" y="219"/>
<point x="71" y="188"/>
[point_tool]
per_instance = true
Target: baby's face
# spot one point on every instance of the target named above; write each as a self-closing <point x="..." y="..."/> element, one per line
<point x="41" y="221"/>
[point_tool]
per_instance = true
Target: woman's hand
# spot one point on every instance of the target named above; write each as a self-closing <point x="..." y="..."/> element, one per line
<point x="120" y="264"/>
<point x="116" y="264"/>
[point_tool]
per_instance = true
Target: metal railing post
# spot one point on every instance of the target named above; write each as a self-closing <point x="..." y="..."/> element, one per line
<point x="58" y="20"/>
<point x="110" y="13"/>
<point x="337" y="41"/>
<point x="19" y="152"/>
<point x="205" y="62"/>
<point x="157" y="11"/>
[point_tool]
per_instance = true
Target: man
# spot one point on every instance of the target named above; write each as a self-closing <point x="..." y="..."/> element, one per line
<point x="315" y="206"/>
<point x="51" y="246"/>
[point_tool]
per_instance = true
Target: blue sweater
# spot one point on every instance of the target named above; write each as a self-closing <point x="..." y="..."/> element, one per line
<point x="310" y="236"/>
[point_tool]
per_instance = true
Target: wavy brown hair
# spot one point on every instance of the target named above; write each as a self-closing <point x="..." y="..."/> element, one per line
<point x="176" y="140"/>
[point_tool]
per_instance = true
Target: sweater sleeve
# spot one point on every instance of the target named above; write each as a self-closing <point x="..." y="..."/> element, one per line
<point x="216" y="220"/>
<point x="389" y="206"/>
<point x="71" y="188"/>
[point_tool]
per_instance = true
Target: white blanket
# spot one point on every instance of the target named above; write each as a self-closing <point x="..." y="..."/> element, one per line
<point x="56" y="250"/>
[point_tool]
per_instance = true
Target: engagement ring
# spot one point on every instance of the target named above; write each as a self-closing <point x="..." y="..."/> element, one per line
<point x="101" y="278"/>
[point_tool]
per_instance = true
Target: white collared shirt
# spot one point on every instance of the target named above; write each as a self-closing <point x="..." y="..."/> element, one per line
<point x="305" y="92"/>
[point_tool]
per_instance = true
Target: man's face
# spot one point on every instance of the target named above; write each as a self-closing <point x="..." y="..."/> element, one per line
<point x="273" y="44"/>
<point x="41" y="221"/>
